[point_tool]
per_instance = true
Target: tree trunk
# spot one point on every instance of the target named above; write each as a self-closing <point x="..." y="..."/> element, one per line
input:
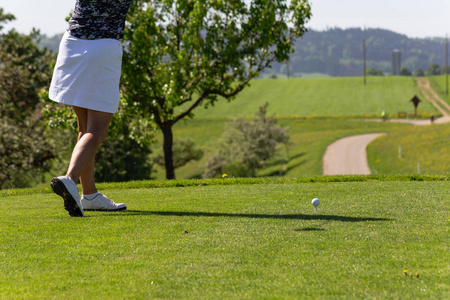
<point x="168" y="150"/>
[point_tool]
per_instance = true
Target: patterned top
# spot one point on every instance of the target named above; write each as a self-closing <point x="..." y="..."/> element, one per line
<point x="99" y="19"/>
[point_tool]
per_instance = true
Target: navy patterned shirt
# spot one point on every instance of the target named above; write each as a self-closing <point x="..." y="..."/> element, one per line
<point x="99" y="19"/>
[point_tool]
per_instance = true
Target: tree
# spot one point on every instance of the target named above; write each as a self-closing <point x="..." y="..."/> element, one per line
<point x="405" y="72"/>
<point x="5" y="18"/>
<point x="419" y="73"/>
<point x="374" y="72"/>
<point x="184" y="151"/>
<point x="247" y="146"/>
<point x="182" y="54"/>
<point x="433" y="69"/>
<point x="25" y="149"/>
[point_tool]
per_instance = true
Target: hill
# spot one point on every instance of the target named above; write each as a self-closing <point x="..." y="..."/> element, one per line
<point x="317" y="112"/>
<point x="339" y="52"/>
<point x="346" y="96"/>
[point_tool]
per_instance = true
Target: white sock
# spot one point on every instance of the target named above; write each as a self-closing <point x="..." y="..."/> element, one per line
<point x="91" y="196"/>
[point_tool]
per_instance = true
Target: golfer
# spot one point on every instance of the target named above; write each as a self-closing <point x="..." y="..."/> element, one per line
<point x="86" y="77"/>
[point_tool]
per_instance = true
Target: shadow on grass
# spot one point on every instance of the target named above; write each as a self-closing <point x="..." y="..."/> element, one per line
<point x="290" y="167"/>
<point x="254" y="216"/>
<point x="309" y="229"/>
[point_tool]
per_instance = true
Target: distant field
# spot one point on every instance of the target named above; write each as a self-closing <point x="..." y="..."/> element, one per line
<point x="311" y="135"/>
<point x="309" y="138"/>
<point x="345" y="96"/>
<point x="438" y="84"/>
<point x="424" y="149"/>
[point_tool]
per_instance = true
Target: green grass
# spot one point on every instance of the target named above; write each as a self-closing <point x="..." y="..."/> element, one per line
<point x="317" y="112"/>
<point x="426" y="146"/>
<point x="346" y="96"/>
<point x="310" y="137"/>
<point x="438" y="84"/>
<point x="253" y="239"/>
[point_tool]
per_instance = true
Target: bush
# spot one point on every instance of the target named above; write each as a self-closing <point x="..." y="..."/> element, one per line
<point x="405" y="72"/>
<point x="433" y="69"/>
<point x="25" y="150"/>
<point x="247" y="146"/>
<point x="24" y="154"/>
<point x="374" y="72"/>
<point x="419" y="73"/>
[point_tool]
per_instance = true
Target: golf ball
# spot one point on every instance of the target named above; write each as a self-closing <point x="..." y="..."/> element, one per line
<point x="315" y="202"/>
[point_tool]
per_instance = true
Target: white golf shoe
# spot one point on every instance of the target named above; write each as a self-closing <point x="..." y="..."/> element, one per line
<point x="102" y="203"/>
<point x="67" y="189"/>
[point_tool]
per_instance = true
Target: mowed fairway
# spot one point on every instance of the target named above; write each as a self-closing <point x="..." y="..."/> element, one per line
<point x="258" y="239"/>
<point x="345" y="96"/>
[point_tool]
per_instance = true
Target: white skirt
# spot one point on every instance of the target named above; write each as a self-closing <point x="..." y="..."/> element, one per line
<point x="87" y="73"/>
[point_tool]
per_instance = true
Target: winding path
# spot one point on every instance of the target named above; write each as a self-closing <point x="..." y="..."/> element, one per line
<point x="348" y="156"/>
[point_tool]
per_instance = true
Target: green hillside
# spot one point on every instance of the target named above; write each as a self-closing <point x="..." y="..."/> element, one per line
<point x="346" y="96"/>
<point x="309" y="138"/>
<point x="318" y="112"/>
<point x="438" y="84"/>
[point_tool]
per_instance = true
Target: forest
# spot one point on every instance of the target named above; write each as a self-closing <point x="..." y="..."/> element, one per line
<point x="339" y="52"/>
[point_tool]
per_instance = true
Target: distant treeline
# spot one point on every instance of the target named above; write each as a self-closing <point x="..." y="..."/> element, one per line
<point x="339" y="52"/>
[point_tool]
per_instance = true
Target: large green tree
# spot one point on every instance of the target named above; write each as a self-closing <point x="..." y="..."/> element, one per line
<point x="24" y="70"/>
<point x="182" y="54"/>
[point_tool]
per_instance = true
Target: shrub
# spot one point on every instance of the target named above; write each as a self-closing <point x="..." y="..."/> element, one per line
<point x="246" y="146"/>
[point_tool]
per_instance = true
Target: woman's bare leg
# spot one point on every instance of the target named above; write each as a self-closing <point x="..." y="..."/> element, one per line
<point x="92" y="130"/>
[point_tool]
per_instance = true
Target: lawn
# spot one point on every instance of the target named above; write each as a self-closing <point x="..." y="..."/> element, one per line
<point x="250" y="239"/>
<point x="343" y="96"/>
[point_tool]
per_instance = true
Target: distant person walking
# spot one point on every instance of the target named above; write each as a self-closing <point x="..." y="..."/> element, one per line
<point x="87" y="76"/>
<point x="384" y="115"/>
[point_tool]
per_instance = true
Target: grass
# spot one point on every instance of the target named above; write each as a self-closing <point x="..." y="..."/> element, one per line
<point x="252" y="238"/>
<point x="317" y="112"/>
<point x="439" y="85"/>
<point x="346" y="96"/>
<point x="310" y="137"/>
<point x="424" y="149"/>
<point x="255" y="238"/>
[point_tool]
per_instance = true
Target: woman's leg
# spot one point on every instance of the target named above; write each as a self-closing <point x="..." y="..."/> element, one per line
<point x="92" y="130"/>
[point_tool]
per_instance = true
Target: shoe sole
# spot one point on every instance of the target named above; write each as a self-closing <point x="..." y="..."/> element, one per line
<point x="70" y="204"/>
<point x="119" y="209"/>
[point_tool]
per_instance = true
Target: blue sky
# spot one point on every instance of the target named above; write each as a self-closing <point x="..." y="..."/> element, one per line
<point x="415" y="18"/>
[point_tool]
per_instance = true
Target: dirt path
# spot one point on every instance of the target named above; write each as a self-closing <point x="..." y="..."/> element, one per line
<point x="444" y="108"/>
<point x="348" y="155"/>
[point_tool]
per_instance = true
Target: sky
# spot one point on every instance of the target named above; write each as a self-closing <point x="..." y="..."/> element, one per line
<point x="414" y="18"/>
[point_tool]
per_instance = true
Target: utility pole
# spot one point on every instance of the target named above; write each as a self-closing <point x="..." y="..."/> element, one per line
<point x="364" y="58"/>
<point x="287" y="69"/>
<point x="446" y="64"/>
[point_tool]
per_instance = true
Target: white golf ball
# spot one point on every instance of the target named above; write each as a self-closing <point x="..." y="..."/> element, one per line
<point x="315" y="202"/>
